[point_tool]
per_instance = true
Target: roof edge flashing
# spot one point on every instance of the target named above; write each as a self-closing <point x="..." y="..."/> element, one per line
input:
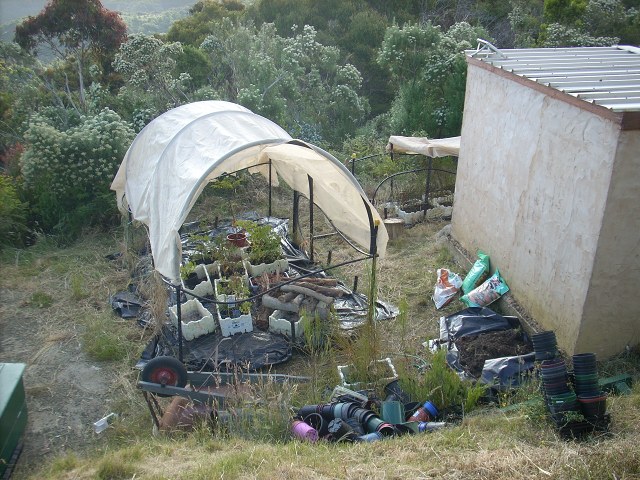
<point x="609" y="114"/>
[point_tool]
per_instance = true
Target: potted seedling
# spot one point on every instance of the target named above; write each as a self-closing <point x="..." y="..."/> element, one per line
<point x="189" y="275"/>
<point x="265" y="252"/>
<point x="230" y="260"/>
<point x="233" y="316"/>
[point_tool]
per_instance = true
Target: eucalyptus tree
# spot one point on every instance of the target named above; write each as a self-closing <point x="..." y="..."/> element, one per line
<point x="428" y="69"/>
<point x="75" y="31"/>
<point x="151" y="84"/>
<point x="296" y="81"/>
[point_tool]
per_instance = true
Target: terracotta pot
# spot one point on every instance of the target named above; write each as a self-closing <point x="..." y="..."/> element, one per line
<point x="239" y="239"/>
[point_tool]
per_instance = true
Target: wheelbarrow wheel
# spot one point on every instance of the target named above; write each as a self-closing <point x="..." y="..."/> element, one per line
<point x="165" y="371"/>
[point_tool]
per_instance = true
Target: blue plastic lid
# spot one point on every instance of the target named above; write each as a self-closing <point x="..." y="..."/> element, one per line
<point x="431" y="408"/>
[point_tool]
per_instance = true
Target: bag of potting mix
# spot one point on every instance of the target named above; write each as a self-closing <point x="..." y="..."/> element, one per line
<point x="475" y="276"/>
<point x="491" y="290"/>
<point x="446" y="287"/>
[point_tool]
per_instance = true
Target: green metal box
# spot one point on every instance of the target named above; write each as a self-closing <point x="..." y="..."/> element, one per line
<point x="13" y="412"/>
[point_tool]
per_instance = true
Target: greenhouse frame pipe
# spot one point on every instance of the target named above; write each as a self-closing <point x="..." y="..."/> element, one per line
<point x="384" y="180"/>
<point x="179" y="315"/>
<point x="310" y="179"/>
<point x="425" y="204"/>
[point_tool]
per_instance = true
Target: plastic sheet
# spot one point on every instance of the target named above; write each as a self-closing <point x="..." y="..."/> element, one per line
<point x="507" y="372"/>
<point x="473" y="321"/>
<point x="502" y="372"/>
<point x="126" y="304"/>
<point x="250" y="351"/>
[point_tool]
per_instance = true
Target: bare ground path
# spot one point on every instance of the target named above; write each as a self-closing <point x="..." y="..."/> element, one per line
<point x="46" y="303"/>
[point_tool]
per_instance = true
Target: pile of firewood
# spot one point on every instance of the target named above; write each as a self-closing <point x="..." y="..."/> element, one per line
<point x="311" y="295"/>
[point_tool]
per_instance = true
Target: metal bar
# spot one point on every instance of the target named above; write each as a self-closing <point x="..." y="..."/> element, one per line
<point x="170" y="390"/>
<point x="425" y="206"/>
<point x="295" y="236"/>
<point x="200" y="379"/>
<point x="310" y="179"/>
<point x="384" y="180"/>
<point x="179" y="315"/>
<point x="324" y="235"/>
<point x="270" y="187"/>
<point x="151" y="409"/>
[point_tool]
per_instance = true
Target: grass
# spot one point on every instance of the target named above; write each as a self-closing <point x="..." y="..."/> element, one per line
<point x="520" y="443"/>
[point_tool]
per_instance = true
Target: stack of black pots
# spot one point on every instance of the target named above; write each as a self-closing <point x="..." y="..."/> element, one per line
<point x="567" y="392"/>
<point x="545" y="345"/>
<point x="560" y="398"/>
<point x="585" y="379"/>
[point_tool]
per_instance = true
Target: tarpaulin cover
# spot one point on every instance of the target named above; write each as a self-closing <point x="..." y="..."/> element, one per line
<point x="441" y="147"/>
<point x="126" y="304"/>
<point x="471" y="321"/>
<point x="178" y="153"/>
<point x="503" y="372"/>
<point x="506" y="372"/>
<point x="251" y="351"/>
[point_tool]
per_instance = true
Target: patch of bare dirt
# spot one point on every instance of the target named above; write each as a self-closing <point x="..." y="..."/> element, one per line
<point x="475" y="349"/>
<point x="65" y="391"/>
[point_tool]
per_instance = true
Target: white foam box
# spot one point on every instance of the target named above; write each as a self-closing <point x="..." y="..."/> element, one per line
<point x="278" y="323"/>
<point x="279" y="266"/>
<point x="195" y="328"/>
<point x="230" y="326"/>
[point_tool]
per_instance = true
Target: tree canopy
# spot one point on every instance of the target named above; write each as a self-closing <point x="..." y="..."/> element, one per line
<point x="343" y="74"/>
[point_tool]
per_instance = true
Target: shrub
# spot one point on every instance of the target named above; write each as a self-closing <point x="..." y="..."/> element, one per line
<point x="13" y="215"/>
<point x="68" y="172"/>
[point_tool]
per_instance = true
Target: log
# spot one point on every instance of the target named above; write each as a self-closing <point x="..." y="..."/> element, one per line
<point x="331" y="292"/>
<point x="327" y="282"/>
<point x="275" y="304"/>
<point x="322" y="309"/>
<point x="308" y="292"/>
<point x="288" y="297"/>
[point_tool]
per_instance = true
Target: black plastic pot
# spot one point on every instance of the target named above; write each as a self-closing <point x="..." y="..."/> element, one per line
<point x="326" y="410"/>
<point x="394" y="392"/>
<point x="307" y="410"/>
<point x="339" y="430"/>
<point x="316" y="421"/>
<point x="544" y="345"/>
<point x="556" y="388"/>
<point x="593" y="407"/>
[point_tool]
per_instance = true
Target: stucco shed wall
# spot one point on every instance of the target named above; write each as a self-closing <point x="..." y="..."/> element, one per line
<point x="532" y="183"/>
<point x="611" y="318"/>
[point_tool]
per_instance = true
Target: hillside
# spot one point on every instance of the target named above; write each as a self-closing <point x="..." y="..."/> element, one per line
<point x="141" y="16"/>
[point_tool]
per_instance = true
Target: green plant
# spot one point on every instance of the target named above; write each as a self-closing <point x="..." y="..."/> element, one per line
<point x="230" y="258"/>
<point x="441" y="385"/>
<point x="320" y="356"/>
<point x="77" y="287"/>
<point x="207" y="250"/>
<point x="103" y="339"/>
<point x="187" y="269"/>
<point x="235" y="286"/>
<point x="67" y="173"/>
<point x="265" y="243"/>
<point x="41" y="300"/>
<point x="13" y="214"/>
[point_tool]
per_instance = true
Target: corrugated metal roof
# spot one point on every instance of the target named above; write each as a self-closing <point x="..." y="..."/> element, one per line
<point x="606" y="76"/>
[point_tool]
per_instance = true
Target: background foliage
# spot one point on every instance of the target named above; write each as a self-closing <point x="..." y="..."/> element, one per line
<point x="343" y="74"/>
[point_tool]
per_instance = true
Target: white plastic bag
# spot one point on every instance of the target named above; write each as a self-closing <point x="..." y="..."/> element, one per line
<point x="446" y="287"/>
